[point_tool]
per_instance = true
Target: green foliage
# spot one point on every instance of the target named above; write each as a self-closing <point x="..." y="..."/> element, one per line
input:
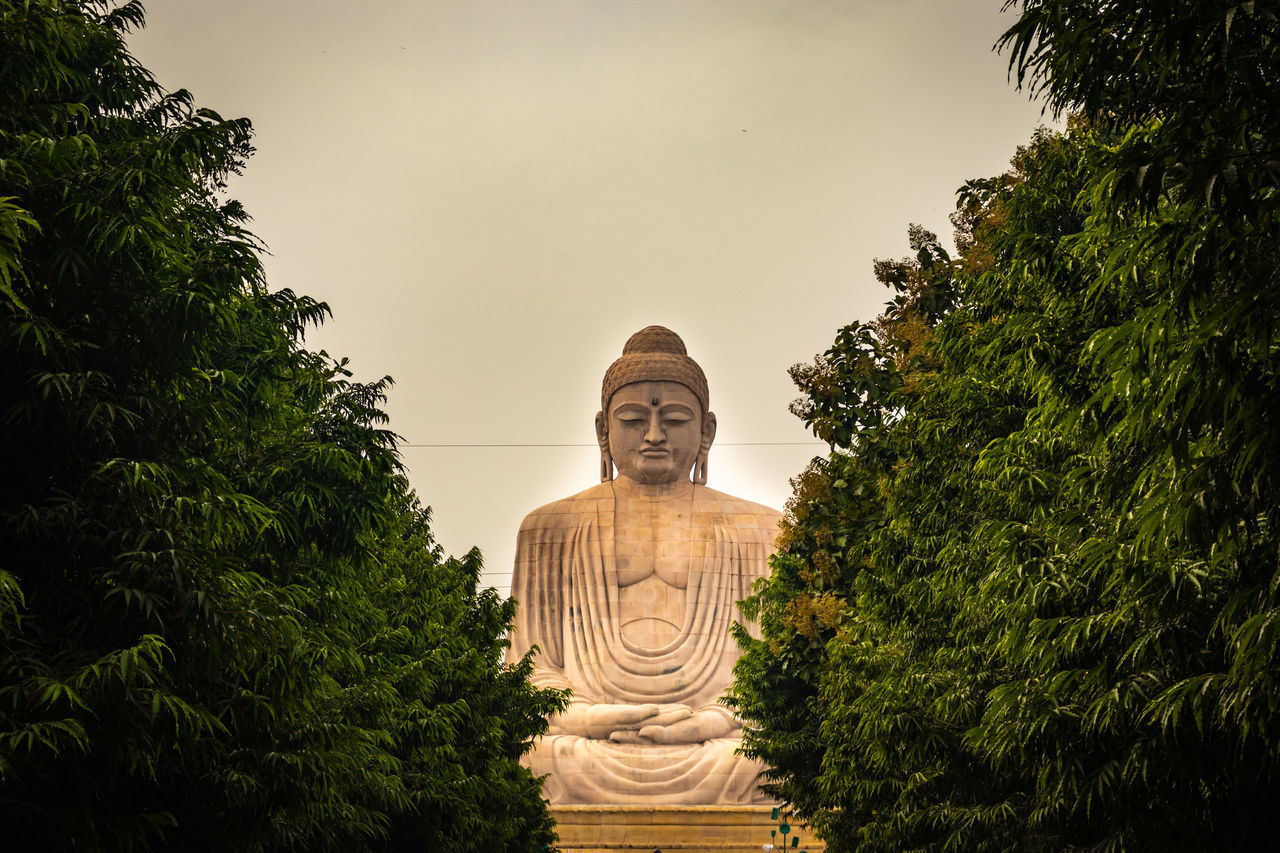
<point x="225" y="623"/>
<point x="1059" y="604"/>
<point x="857" y="388"/>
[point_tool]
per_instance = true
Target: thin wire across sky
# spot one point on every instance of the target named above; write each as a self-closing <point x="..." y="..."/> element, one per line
<point x="721" y="443"/>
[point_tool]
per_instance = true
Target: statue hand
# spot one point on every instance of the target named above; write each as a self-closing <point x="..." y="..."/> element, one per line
<point x="604" y="721"/>
<point x="697" y="728"/>
<point x="666" y="715"/>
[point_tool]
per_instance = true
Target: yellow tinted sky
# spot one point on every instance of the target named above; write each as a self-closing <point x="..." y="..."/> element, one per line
<point x="493" y="195"/>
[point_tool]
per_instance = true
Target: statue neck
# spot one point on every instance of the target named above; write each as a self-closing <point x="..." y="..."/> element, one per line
<point x="627" y="487"/>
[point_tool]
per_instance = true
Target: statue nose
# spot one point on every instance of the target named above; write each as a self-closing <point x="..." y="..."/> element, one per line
<point x="654" y="434"/>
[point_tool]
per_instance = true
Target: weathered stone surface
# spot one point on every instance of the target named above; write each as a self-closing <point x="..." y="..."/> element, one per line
<point x="628" y="589"/>
<point x="687" y="829"/>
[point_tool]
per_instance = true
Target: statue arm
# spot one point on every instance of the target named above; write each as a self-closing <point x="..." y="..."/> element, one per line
<point x="536" y="587"/>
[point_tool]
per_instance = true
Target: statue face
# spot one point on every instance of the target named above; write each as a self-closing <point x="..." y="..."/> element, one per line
<point x="655" y="431"/>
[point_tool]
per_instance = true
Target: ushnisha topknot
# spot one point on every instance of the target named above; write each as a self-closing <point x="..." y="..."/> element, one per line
<point x="654" y="354"/>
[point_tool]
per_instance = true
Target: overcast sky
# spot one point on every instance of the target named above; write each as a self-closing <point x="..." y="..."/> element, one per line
<point x="492" y="196"/>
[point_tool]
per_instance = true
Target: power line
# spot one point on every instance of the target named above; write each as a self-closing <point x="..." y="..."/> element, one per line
<point x="718" y="443"/>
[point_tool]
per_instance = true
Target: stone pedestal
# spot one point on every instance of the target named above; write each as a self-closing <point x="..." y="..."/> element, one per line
<point x="686" y="829"/>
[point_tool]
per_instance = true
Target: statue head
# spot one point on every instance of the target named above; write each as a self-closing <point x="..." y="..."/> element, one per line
<point x="654" y="423"/>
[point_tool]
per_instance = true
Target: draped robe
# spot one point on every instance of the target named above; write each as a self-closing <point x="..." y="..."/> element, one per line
<point x="566" y="581"/>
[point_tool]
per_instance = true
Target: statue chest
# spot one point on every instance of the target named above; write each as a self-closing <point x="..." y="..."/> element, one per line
<point x="653" y="539"/>
<point x="652" y="549"/>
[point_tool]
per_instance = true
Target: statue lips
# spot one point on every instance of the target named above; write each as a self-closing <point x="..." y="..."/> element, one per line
<point x="659" y="457"/>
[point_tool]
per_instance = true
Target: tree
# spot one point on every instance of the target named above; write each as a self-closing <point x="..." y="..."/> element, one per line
<point x="854" y="394"/>
<point x="225" y="623"/>
<point x="1059" y="631"/>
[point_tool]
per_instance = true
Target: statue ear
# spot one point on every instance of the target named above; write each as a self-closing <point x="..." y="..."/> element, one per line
<point x="704" y="449"/>
<point x="602" y="437"/>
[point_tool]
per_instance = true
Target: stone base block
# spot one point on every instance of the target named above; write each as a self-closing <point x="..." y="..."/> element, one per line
<point x="687" y="829"/>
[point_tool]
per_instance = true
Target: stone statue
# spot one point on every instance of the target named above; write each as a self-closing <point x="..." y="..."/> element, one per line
<point x="629" y="588"/>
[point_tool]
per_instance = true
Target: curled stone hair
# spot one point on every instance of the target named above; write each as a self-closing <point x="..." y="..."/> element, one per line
<point x="655" y="354"/>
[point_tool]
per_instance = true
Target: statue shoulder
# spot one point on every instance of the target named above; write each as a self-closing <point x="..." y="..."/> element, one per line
<point x="568" y="513"/>
<point x="750" y="513"/>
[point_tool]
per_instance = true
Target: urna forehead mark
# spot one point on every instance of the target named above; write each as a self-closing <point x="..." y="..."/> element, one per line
<point x="654" y="394"/>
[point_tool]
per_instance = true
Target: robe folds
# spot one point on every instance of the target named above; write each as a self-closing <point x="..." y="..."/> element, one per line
<point x="566" y="581"/>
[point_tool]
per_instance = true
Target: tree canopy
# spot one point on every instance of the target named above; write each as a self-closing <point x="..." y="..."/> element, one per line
<point x="225" y="623"/>
<point x="1030" y="599"/>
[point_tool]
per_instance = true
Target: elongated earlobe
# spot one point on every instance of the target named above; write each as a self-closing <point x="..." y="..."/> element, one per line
<point x="704" y="449"/>
<point x="606" y="458"/>
<point x="700" y="469"/>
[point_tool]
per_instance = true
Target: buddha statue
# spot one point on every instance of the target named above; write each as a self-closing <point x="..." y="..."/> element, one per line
<point x="628" y="589"/>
